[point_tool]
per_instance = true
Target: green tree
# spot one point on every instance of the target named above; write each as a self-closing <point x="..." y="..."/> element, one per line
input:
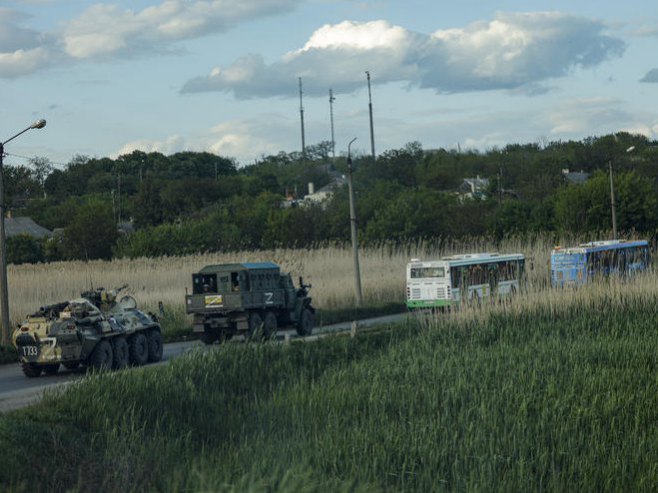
<point x="24" y="249"/>
<point x="91" y="234"/>
<point x="587" y="207"/>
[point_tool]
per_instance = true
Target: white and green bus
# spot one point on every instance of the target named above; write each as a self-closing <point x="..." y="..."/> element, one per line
<point x="463" y="278"/>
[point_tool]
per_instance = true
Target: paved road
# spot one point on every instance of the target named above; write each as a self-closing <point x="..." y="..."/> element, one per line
<point x="16" y="390"/>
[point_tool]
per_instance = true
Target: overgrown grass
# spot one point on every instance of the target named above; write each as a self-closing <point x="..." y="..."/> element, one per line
<point x="8" y="355"/>
<point x="551" y="394"/>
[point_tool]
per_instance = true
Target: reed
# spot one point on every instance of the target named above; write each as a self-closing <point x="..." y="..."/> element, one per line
<point x="329" y="269"/>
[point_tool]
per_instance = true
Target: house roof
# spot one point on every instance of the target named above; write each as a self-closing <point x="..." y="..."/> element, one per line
<point x="15" y="226"/>
<point x="577" y="177"/>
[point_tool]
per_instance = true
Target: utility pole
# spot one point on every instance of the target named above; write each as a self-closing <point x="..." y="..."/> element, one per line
<point x="331" y="116"/>
<point x="4" y="285"/>
<point x="301" y="115"/>
<point x="355" y="241"/>
<point x="612" y="202"/>
<point x="372" y="132"/>
<point x="119" y="197"/>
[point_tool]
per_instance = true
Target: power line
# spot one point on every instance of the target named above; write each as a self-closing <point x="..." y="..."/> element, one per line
<point x="30" y="158"/>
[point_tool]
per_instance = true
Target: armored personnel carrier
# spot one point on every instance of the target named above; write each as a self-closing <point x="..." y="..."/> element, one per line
<point x="253" y="299"/>
<point x="94" y="330"/>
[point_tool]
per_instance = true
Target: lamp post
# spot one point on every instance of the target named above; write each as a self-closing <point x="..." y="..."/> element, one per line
<point x="355" y="244"/>
<point x="612" y="197"/>
<point x="372" y="132"/>
<point x="4" y="292"/>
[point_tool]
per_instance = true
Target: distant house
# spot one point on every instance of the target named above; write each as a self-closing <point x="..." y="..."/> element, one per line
<point x="15" y="226"/>
<point x="473" y="188"/>
<point x="576" y="178"/>
<point x="126" y="228"/>
<point x="326" y="192"/>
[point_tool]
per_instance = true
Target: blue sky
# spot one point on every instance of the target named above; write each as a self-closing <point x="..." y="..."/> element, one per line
<point x="222" y="76"/>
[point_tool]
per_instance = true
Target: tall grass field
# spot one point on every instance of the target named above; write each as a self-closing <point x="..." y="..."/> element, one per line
<point x="556" y="391"/>
<point x="328" y="269"/>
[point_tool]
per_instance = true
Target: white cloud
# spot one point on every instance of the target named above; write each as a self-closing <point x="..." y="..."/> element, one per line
<point x="14" y="37"/>
<point x="588" y="116"/>
<point x="512" y="51"/>
<point x="22" y="62"/>
<point x="650" y="76"/>
<point x="170" y="145"/>
<point x="108" y="31"/>
<point x="244" y="140"/>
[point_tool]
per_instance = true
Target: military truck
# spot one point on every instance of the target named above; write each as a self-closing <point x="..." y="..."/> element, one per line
<point x="252" y="299"/>
<point x="94" y="330"/>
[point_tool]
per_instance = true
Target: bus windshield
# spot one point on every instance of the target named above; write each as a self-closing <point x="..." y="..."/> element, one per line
<point x="427" y="272"/>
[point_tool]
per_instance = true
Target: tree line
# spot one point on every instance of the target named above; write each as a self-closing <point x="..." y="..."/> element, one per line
<point x="196" y="202"/>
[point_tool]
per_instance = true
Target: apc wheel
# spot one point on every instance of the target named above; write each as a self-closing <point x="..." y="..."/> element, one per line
<point x="71" y="365"/>
<point x="101" y="357"/>
<point x="31" y="370"/>
<point x="139" y="349"/>
<point x="255" y="330"/>
<point x="306" y="323"/>
<point x="269" y="325"/>
<point x="121" y="353"/>
<point x="155" y="348"/>
<point x="51" y="369"/>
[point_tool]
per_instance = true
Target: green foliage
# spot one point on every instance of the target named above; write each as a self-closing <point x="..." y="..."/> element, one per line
<point x="8" y="354"/>
<point x="545" y="398"/>
<point x="403" y="194"/>
<point x="587" y="207"/>
<point x="25" y="249"/>
<point x="91" y="234"/>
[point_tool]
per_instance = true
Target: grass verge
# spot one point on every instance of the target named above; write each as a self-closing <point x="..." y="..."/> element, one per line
<point x="547" y="397"/>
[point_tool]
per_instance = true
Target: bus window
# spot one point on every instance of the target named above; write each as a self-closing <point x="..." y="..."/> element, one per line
<point x="455" y="277"/>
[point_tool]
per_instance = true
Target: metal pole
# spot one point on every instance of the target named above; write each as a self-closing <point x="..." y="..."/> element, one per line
<point x="4" y="290"/>
<point x="331" y="115"/>
<point x="612" y="202"/>
<point x="4" y="285"/>
<point x="301" y="114"/>
<point x="372" y="132"/>
<point x="355" y="244"/>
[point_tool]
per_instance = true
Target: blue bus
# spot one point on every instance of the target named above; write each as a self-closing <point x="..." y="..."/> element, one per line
<point x="576" y="266"/>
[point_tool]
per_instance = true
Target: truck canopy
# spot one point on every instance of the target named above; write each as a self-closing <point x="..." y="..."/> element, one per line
<point x="248" y="276"/>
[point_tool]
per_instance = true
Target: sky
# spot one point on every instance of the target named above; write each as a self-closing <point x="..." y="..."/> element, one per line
<point x="222" y="76"/>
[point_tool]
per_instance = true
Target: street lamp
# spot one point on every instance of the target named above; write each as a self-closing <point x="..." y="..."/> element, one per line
<point x="4" y="291"/>
<point x="612" y="197"/>
<point x="355" y="244"/>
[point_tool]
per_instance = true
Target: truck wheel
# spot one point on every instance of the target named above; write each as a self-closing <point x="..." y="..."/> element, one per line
<point x="306" y="323"/>
<point x="269" y="325"/>
<point x="255" y="329"/>
<point x="101" y="357"/>
<point x="51" y="369"/>
<point x="121" y="353"/>
<point x="209" y="338"/>
<point x="154" y="338"/>
<point x="31" y="370"/>
<point x="139" y="349"/>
